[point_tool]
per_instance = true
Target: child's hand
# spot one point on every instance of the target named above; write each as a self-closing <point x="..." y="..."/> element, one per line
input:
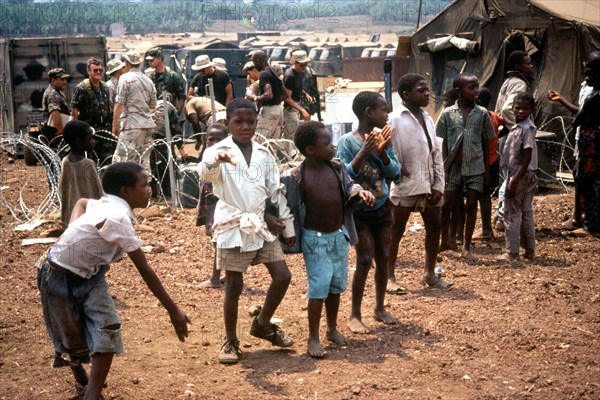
<point x="226" y="157"/>
<point x="434" y="197"/>
<point x="367" y="197"/>
<point x="180" y="320"/>
<point x="511" y="188"/>
<point x="370" y="143"/>
<point x="404" y="172"/>
<point x="275" y="225"/>
<point x="289" y="242"/>
<point x="553" y="95"/>
<point x="384" y="137"/>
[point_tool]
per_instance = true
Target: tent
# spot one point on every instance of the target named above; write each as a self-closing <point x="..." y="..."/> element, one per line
<point x="477" y="36"/>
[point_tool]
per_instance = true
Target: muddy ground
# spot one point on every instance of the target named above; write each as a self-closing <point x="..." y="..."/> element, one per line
<point x="502" y="332"/>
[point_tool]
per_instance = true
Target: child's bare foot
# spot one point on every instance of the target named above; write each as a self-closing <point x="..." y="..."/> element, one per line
<point x="529" y="254"/>
<point x="211" y="284"/>
<point x="436" y="282"/>
<point x="468" y="256"/>
<point x="337" y="338"/>
<point x="508" y="257"/>
<point x="357" y="326"/>
<point x="315" y="349"/>
<point x="385" y="317"/>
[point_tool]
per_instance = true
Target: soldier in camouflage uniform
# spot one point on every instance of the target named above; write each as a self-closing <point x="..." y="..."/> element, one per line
<point x="54" y="103"/>
<point x="132" y="121"/>
<point x="165" y="79"/>
<point x="91" y="103"/>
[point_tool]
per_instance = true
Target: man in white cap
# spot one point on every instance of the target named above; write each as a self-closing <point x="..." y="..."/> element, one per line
<point x="293" y="80"/>
<point x="132" y="121"/>
<point x="115" y="68"/>
<point x="221" y="81"/>
<point x="220" y="63"/>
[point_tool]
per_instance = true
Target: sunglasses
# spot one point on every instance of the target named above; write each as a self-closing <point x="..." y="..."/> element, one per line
<point x="302" y="64"/>
<point x="97" y="70"/>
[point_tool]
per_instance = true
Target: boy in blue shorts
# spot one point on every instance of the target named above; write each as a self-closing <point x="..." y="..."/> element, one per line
<point x="79" y="312"/>
<point x="322" y="196"/>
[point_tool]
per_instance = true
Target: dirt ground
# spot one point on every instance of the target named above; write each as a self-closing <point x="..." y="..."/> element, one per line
<point x="502" y="332"/>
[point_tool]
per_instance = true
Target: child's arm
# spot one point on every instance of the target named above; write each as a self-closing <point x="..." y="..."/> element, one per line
<point x="78" y="209"/>
<point x="211" y="170"/>
<point x="353" y="161"/>
<point x="178" y="318"/>
<point x="513" y="183"/>
<point x="553" y="95"/>
<point x="284" y="222"/>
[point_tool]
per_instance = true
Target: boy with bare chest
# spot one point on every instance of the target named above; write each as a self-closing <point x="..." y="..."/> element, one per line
<point x="321" y="195"/>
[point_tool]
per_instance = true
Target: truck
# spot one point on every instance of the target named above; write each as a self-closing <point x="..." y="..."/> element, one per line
<point x="24" y="66"/>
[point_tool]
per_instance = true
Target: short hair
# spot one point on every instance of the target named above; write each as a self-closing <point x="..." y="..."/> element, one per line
<point x="120" y="174"/>
<point x="75" y="130"/>
<point x="238" y="104"/>
<point x="307" y="135"/>
<point x="485" y="96"/>
<point x="407" y="83"/>
<point x="460" y="79"/>
<point x="219" y="127"/>
<point x="515" y="58"/>
<point x="363" y="100"/>
<point x="525" y="96"/>
<point x="93" y="61"/>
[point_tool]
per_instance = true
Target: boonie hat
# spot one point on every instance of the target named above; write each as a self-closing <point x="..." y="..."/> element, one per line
<point x="58" y="73"/>
<point x="154" y="53"/>
<point x="248" y="66"/>
<point x="113" y="66"/>
<point x="133" y="57"/>
<point x="220" y="63"/>
<point x="300" y="56"/>
<point x="201" y="62"/>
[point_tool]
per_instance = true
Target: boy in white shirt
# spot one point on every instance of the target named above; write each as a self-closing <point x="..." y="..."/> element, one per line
<point x="421" y="183"/>
<point x="78" y="309"/>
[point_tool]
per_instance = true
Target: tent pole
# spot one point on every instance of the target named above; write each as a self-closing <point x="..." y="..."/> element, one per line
<point x="419" y="14"/>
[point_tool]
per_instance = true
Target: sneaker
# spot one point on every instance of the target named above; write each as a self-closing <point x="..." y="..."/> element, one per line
<point x="230" y="352"/>
<point x="271" y="333"/>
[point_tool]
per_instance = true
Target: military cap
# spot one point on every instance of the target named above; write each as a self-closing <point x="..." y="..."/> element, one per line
<point x="133" y="57"/>
<point x="154" y="53"/>
<point x="113" y="66"/>
<point x="58" y="73"/>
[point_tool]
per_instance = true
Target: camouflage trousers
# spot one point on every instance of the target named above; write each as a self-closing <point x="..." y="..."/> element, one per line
<point x="135" y="145"/>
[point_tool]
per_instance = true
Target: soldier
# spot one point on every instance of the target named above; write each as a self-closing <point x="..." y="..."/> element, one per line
<point x="54" y="104"/>
<point x="132" y="121"/>
<point x="165" y="79"/>
<point x="293" y="80"/>
<point x="221" y="81"/>
<point x="91" y="99"/>
<point x="311" y="100"/>
<point x="114" y="69"/>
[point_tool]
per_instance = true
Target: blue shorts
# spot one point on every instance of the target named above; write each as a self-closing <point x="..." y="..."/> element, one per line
<point x="326" y="259"/>
<point x="77" y="312"/>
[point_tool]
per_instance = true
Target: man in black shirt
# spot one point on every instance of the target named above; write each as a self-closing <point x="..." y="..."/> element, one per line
<point x="293" y="81"/>
<point x="221" y="81"/>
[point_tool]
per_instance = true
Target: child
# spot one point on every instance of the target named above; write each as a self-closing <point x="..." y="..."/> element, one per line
<point x="465" y="128"/>
<point x="78" y="310"/>
<point x="370" y="162"/>
<point x="78" y="178"/>
<point x="244" y="176"/>
<point x="208" y="202"/>
<point x="485" y="201"/>
<point x="520" y="161"/>
<point x="421" y="185"/>
<point x="322" y="196"/>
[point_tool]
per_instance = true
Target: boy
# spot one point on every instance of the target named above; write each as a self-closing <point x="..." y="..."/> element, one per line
<point x="421" y="185"/>
<point x="78" y="177"/>
<point x="485" y="201"/>
<point x="322" y="196"/>
<point x="207" y="204"/>
<point x="245" y="176"/>
<point x="520" y="161"/>
<point x="465" y="128"/>
<point x="370" y="162"/>
<point x="79" y="312"/>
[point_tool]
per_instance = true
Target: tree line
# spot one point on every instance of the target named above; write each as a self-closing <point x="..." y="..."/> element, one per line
<point x="59" y="18"/>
